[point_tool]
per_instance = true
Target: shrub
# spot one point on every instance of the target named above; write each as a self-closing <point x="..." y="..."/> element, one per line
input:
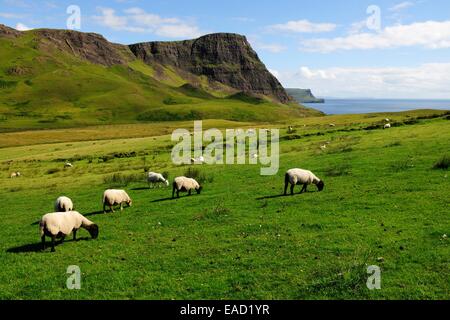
<point x="122" y="180"/>
<point x="442" y="163"/>
<point x="196" y="174"/>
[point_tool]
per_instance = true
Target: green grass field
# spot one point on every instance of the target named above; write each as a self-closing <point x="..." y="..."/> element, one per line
<point x="384" y="204"/>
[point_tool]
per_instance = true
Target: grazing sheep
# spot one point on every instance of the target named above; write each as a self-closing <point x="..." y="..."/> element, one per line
<point x="112" y="197"/>
<point x="60" y="224"/>
<point x="156" y="178"/>
<point x="185" y="185"/>
<point x="387" y="126"/>
<point x="63" y="204"/>
<point x="387" y="120"/>
<point x="68" y="165"/>
<point x="323" y="147"/>
<point x="301" y="177"/>
<point x="332" y="125"/>
<point x="15" y="175"/>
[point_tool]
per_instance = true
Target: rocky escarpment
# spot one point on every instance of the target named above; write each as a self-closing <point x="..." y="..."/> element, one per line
<point x="222" y="57"/>
<point x="89" y="46"/>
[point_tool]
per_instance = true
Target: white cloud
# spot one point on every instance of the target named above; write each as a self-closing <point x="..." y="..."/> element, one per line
<point x="430" y="34"/>
<point x="140" y="21"/>
<point x="257" y="44"/>
<point x="303" y="26"/>
<point x="401" y="6"/>
<point x="22" y="27"/>
<point x="430" y="80"/>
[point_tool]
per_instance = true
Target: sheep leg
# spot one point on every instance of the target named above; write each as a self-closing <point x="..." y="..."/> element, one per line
<point x="104" y="207"/>
<point x="190" y="191"/>
<point x="292" y="189"/>
<point x="304" y="188"/>
<point x="43" y="242"/>
<point x="74" y="235"/>
<point x="121" y="206"/>
<point x="62" y="239"/>
<point x="178" y="193"/>
<point x="53" y="243"/>
<point x="285" y="188"/>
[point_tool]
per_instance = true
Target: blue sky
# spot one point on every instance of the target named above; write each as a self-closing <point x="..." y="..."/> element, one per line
<point x="336" y="48"/>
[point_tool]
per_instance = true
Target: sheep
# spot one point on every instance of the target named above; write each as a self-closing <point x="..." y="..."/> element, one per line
<point x="63" y="204"/>
<point x="113" y="197"/>
<point x="185" y="185"/>
<point x="68" y="165"/>
<point x="387" y="120"/>
<point x="332" y="125"/>
<point x="156" y="178"/>
<point x="61" y="224"/>
<point x="387" y="126"/>
<point x="15" y="175"/>
<point x="199" y="160"/>
<point x="323" y="147"/>
<point x="301" y="177"/>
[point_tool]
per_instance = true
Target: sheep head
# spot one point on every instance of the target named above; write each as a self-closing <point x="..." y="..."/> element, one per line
<point x="93" y="231"/>
<point x="320" y="185"/>
<point x="199" y="190"/>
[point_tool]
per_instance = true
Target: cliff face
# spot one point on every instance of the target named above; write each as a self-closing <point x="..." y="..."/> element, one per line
<point x="304" y="96"/>
<point x="222" y="57"/>
<point x="88" y="46"/>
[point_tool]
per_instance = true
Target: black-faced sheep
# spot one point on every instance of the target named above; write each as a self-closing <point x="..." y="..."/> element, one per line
<point x="154" y="178"/>
<point x="15" y="174"/>
<point x="301" y="177"/>
<point x="63" y="204"/>
<point x="61" y="224"/>
<point x="184" y="184"/>
<point x="112" y="197"/>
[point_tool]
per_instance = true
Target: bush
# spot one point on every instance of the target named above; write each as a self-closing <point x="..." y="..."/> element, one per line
<point x="442" y="163"/>
<point x="122" y="180"/>
<point x="196" y="174"/>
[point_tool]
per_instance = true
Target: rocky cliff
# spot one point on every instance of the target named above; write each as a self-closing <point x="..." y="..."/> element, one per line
<point x="304" y="96"/>
<point x="222" y="57"/>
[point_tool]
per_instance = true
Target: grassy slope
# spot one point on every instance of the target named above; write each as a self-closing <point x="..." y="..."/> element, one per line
<point x="382" y="199"/>
<point x="56" y="90"/>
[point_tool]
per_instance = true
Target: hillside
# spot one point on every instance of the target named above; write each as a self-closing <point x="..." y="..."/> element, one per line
<point x="59" y="78"/>
<point x="303" y="96"/>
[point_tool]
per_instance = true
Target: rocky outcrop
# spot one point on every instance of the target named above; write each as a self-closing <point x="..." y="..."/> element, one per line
<point x="223" y="57"/>
<point x="89" y="46"/>
<point x="304" y="96"/>
<point x="8" y="32"/>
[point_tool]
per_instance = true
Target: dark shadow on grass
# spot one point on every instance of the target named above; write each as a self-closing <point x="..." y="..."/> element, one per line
<point x="271" y="197"/>
<point x="93" y="213"/>
<point x="282" y="195"/>
<point x="37" y="247"/>
<point x="170" y="198"/>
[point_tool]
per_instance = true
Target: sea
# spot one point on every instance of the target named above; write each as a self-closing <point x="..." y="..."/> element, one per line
<point x="355" y="106"/>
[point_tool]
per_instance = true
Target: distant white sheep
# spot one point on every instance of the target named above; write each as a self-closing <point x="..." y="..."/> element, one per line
<point x="63" y="204"/>
<point x="387" y="120"/>
<point x="184" y="184"/>
<point x="15" y="175"/>
<point x="332" y="125"/>
<point x="68" y="165"/>
<point x="301" y="177"/>
<point x="112" y="197"/>
<point x="61" y="224"/>
<point x="323" y="147"/>
<point x="199" y="160"/>
<point x="387" y="126"/>
<point x="154" y="178"/>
